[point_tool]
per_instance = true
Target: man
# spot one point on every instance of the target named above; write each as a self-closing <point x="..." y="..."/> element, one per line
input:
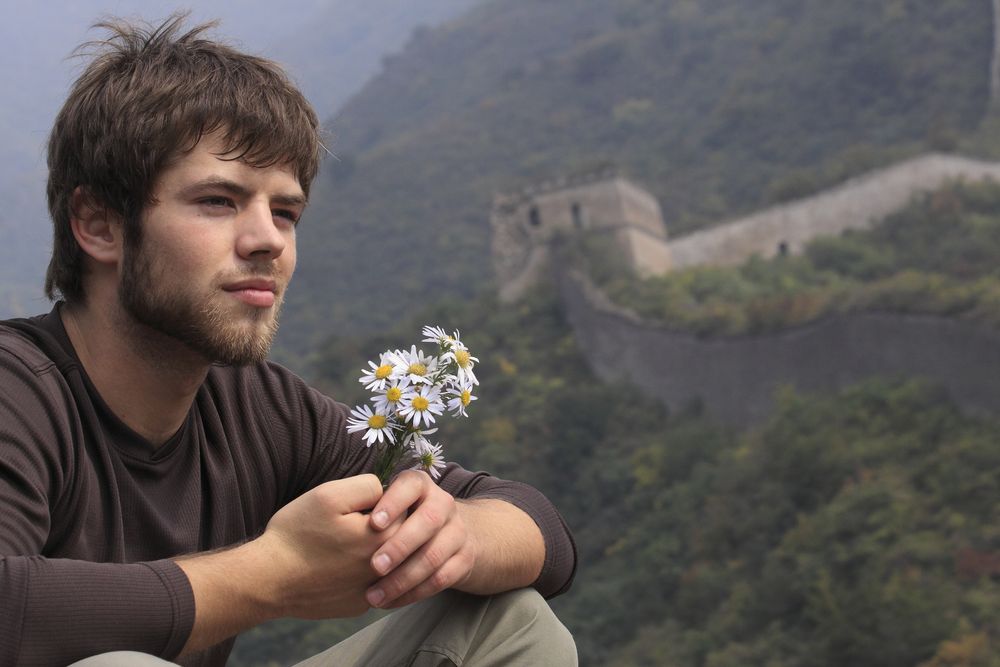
<point x="163" y="487"/>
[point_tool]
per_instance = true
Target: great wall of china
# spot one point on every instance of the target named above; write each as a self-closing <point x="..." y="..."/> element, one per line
<point x="736" y="377"/>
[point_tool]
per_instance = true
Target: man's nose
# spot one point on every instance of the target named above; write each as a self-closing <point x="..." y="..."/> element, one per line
<point x="260" y="237"/>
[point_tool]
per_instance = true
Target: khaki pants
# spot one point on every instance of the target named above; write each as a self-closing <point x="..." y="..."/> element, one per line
<point x="449" y="630"/>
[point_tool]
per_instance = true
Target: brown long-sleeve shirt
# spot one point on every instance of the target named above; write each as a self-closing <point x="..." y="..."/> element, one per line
<point x="91" y="513"/>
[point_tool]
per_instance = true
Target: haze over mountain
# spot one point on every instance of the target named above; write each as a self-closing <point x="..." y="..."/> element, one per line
<point x="331" y="47"/>
<point x="717" y="107"/>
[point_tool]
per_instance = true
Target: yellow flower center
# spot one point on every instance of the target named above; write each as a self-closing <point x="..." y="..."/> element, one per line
<point x="420" y="403"/>
<point x="394" y="394"/>
<point x="466" y="397"/>
<point x="383" y="371"/>
<point x="462" y="357"/>
<point x="376" y="421"/>
<point x="417" y="369"/>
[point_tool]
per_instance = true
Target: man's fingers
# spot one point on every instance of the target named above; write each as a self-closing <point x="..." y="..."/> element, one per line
<point x="435" y="511"/>
<point x="351" y="494"/>
<point x="437" y="565"/>
<point x="421" y="527"/>
<point x="445" y="578"/>
<point x="405" y="490"/>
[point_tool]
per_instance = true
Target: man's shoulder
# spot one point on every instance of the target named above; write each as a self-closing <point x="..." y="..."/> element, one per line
<point x="24" y="344"/>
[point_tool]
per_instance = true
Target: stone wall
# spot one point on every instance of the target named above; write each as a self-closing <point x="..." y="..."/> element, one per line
<point x="736" y="377"/>
<point x="856" y="203"/>
<point x="536" y="217"/>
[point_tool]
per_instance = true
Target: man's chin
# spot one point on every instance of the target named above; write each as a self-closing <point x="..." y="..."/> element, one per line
<point x="243" y="346"/>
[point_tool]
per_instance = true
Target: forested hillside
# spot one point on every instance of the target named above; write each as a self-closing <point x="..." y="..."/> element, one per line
<point x="857" y="529"/>
<point x="717" y="107"/>
<point x="849" y="529"/>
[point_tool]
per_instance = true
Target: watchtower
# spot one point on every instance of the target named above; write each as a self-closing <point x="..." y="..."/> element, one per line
<point x="527" y="224"/>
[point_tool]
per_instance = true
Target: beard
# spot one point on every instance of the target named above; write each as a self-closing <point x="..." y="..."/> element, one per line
<point x="221" y="332"/>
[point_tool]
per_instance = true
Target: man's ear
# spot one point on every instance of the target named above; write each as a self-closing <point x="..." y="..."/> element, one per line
<point x="96" y="228"/>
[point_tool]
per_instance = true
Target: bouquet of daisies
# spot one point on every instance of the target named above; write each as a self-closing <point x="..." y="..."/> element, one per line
<point x="410" y="390"/>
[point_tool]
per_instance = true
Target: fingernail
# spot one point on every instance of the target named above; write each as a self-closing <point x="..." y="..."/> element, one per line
<point x="381" y="519"/>
<point x="381" y="563"/>
<point x="375" y="596"/>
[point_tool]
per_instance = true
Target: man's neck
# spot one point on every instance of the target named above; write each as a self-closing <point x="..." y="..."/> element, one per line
<point x="147" y="379"/>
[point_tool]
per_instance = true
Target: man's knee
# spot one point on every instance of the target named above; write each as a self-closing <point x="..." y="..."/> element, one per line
<point x="123" y="659"/>
<point x="525" y="612"/>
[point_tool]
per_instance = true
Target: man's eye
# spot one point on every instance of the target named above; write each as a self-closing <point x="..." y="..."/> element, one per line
<point x="216" y="201"/>
<point x="291" y="216"/>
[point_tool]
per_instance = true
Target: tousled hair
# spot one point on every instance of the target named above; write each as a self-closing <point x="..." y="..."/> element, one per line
<point x="148" y="96"/>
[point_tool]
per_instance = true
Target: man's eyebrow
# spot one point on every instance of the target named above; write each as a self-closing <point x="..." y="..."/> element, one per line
<point x="290" y="200"/>
<point x="239" y="190"/>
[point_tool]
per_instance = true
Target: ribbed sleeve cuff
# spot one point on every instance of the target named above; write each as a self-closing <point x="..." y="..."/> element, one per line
<point x="181" y="604"/>
<point x="98" y="607"/>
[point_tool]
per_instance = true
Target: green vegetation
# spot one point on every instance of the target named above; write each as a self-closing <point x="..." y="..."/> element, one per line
<point x="717" y="107"/>
<point x="939" y="256"/>
<point x="857" y="529"/>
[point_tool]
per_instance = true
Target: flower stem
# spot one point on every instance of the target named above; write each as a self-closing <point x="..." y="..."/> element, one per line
<point x="386" y="462"/>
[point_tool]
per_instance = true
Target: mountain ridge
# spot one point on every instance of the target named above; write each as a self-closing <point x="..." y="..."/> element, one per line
<point x="719" y="108"/>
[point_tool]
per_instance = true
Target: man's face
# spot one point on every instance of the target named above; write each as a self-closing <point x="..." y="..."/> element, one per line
<point x="217" y="251"/>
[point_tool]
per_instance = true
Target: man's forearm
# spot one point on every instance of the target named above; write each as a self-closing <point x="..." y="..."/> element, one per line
<point x="510" y="550"/>
<point x="231" y="593"/>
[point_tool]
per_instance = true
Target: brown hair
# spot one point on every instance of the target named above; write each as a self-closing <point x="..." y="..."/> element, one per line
<point x="148" y="95"/>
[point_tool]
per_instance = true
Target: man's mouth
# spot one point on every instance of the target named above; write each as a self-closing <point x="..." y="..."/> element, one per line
<point x="260" y="293"/>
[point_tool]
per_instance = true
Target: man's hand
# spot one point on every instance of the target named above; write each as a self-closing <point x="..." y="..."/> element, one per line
<point x="323" y="543"/>
<point x="313" y="561"/>
<point x="432" y="550"/>
<point x="481" y="546"/>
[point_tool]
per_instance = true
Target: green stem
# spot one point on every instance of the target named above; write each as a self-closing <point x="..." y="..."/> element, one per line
<point x="387" y="460"/>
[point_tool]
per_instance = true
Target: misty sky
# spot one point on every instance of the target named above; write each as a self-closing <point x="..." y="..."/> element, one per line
<point x="35" y="70"/>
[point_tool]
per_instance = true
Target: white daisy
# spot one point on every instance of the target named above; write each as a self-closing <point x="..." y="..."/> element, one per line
<point x="376" y="376"/>
<point x="435" y="335"/>
<point x="412" y="435"/>
<point x="414" y="365"/>
<point x="429" y="458"/>
<point x="464" y="362"/>
<point x="379" y="426"/>
<point x="455" y="341"/>
<point x="461" y="398"/>
<point x="421" y="403"/>
<point x="388" y="401"/>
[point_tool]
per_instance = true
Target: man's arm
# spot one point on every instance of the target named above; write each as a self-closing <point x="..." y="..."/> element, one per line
<point x="479" y="546"/>
<point x="509" y="546"/>
<point x="313" y="561"/>
<point x="56" y="610"/>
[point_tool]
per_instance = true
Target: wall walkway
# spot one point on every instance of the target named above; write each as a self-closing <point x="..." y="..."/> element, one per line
<point x="855" y="203"/>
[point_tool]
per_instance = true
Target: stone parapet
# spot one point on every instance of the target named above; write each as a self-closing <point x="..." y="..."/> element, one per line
<point x="854" y="204"/>
<point x="735" y="378"/>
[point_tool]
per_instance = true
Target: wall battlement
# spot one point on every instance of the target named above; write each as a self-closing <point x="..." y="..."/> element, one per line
<point x="736" y="378"/>
<point x="527" y="223"/>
